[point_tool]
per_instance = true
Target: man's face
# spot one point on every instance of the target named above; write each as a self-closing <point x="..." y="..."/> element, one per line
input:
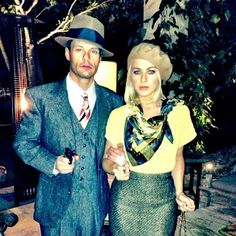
<point x="84" y="58"/>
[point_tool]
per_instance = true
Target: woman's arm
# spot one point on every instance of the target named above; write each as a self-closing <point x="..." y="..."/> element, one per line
<point x="184" y="202"/>
<point x="178" y="171"/>
<point x="112" y="164"/>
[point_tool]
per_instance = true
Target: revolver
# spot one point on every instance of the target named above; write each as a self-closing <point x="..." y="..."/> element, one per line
<point x="69" y="154"/>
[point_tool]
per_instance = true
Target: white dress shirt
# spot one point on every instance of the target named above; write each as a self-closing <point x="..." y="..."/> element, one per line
<point x="75" y="95"/>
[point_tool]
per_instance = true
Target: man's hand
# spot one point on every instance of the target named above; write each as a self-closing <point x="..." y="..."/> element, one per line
<point x="113" y="153"/>
<point x="63" y="166"/>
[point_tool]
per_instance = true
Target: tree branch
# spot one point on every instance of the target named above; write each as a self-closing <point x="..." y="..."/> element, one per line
<point x="63" y="26"/>
<point x="31" y="7"/>
<point x="19" y="7"/>
<point x="2" y="49"/>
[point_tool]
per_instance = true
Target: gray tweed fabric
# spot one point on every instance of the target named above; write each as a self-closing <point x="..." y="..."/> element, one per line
<point x="143" y="206"/>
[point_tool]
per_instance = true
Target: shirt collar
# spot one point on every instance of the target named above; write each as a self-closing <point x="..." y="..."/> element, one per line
<point x="75" y="91"/>
<point x="74" y="88"/>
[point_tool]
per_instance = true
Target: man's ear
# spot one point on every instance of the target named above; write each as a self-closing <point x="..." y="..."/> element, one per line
<point x="67" y="54"/>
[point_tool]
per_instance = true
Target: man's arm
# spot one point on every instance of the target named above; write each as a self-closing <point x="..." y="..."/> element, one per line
<point x="27" y="143"/>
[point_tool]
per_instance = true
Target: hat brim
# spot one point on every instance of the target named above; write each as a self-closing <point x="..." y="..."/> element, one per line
<point x="62" y="40"/>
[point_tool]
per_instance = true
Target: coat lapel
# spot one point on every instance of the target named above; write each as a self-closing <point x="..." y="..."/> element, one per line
<point x="64" y="112"/>
<point x="101" y="110"/>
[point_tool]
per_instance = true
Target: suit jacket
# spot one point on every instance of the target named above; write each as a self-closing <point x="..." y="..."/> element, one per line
<point x="47" y="127"/>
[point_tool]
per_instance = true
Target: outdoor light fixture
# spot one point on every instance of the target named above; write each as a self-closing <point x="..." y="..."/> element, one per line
<point x="107" y="74"/>
<point x="209" y="166"/>
<point x="23" y="103"/>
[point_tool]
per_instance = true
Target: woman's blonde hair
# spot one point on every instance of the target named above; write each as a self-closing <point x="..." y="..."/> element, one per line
<point x="153" y="54"/>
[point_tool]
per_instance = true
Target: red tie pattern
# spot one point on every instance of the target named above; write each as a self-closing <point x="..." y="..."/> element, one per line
<point x="84" y="114"/>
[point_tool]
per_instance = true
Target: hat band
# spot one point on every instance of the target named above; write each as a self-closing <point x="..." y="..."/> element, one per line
<point x="87" y="34"/>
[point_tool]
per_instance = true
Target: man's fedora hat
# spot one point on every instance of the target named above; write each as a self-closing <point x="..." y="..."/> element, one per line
<point x="86" y="28"/>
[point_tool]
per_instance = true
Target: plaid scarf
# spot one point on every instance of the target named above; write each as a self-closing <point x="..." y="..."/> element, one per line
<point x="144" y="137"/>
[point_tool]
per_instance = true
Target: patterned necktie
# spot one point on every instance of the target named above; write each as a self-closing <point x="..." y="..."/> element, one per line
<point x="84" y="114"/>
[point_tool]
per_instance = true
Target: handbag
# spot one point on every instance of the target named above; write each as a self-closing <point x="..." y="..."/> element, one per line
<point x="182" y="225"/>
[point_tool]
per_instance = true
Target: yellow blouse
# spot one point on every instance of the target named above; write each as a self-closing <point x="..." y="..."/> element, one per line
<point x="164" y="158"/>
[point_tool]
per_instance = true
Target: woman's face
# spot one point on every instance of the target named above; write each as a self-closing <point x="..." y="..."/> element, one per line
<point x="145" y="79"/>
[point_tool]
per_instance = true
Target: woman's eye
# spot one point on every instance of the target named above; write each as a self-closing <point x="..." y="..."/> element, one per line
<point x="151" y="72"/>
<point x="136" y="72"/>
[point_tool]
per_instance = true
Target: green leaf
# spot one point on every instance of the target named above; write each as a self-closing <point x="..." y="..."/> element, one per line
<point x="215" y="19"/>
<point x="227" y="14"/>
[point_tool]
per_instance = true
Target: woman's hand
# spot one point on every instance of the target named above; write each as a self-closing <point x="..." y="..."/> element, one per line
<point x="120" y="168"/>
<point x="121" y="173"/>
<point x="184" y="202"/>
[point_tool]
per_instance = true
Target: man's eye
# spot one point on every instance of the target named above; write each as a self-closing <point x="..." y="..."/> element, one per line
<point x="95" y="51"/>
<point x="78" y="49"/>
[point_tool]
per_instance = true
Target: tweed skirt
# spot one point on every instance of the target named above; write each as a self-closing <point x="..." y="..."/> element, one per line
<point x="143" y="206"/>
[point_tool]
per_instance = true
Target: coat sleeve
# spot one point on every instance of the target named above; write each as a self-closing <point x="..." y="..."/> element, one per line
<point x="27" y="143"/>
